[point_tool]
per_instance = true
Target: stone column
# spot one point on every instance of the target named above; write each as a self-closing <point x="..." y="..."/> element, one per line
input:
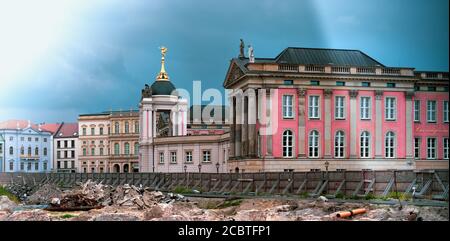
<point x="353" y="118"/>
<point x="244" y="130"/>
<point x="269" y="126"/>
<point x="378" y="124"/>
<point x="409" y="125"/>
<point x="327" y="102"/>
<point x="238" y="133"/>
<point x="301" y="122"/>
<point x="232" y="125"/>
<point x="251" y="127"/>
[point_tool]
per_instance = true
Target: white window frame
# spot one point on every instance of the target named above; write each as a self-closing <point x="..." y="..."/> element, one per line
<point x="288" y="144"/>
<point x="314" y="144"/>
<point x="367" y="149"/>
<point x="389" y="147"/>
<point x="431" y="111"/>
<point x="188" y="156"/>
<point x="314" y="107"/>
<point x="445" y="111"/>
<point x="417" y="110"/>
<point x="288" y="106"/>
<point x="417" y="147"/>
<point x="161" y="157"/>
<point x="390" y="108"/>
<point x="339" y="107"/>
<point x="365" y="109"/>
<point x="431" y="150"/>
<point x="173" y="157"/>
<point x="206" y="153"/>
<point x="338" y="145"/>
<point x="445" y="148"/>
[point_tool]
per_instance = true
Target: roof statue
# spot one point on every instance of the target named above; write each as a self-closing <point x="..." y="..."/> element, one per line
<point x="241" y="49"/>
<point x="162" y="74"/>
<point x="251" y="56"/>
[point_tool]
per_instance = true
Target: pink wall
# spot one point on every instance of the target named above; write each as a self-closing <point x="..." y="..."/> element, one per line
<point x="424" y="129"/>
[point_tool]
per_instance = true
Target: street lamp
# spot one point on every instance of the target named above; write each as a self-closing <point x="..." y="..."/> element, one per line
<point x="217" y="167"/>
<point x="199" y="167"/>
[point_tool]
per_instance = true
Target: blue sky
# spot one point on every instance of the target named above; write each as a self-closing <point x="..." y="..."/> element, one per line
<point x="59" y="59"/>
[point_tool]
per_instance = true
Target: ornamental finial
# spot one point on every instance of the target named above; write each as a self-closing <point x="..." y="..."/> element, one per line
<point x="162" y="74"/>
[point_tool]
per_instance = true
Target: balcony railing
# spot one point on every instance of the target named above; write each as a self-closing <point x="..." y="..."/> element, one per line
<point x="124" y="156"/>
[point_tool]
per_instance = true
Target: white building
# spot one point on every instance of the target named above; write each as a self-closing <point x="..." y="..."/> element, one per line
<point x="65" y="142"/>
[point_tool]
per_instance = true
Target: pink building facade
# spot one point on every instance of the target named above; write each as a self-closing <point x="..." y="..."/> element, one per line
<point x="335" y="109"/>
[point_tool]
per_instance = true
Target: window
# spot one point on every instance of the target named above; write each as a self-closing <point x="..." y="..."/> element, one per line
<point x="45" y="166"/>
<point x="417" y="142"/>
<point x="136" y="148"/>
<point x="416" y="88"/>
<point x="84" y="151"/>
<point x="29" y="151"/>
<point x="189" y="156"/>
<point x="288" y="144"/>
<point x="127" y="148"/>
<point x="389" y="144"/>
<point x="365" y="108"/>
<point x="365" y="84"/>
<point x="58" y="144"/>
<point x="417" y="110"/>
<point x="73" y="164"/>
<point x="173" y="157"/>
<point x="339" y="107"/>
<point x="101" y="130"/>
<point x="73" y="143"/>
<point x="431" y="111"/>
<point x="206" y="156"/>
<point x="288" y="82"/>
<point x="127" y="127"/>
<point x="431" y="148"/>
<point x="161" y="157"/>
<point x="65" y="144"/>
<point x="431" y="88"/>
<point x="45" y="151"/>
<point x="65" y="165"/>
<point x="445" y="110"/>
<point x="340" y="83"/>
<point x="390" y="85"/>
<point x="36" y="151"/>
<point x="390" y="108"/>
<point x="92" y="131"/>
<point x="1" y="148"/>
<point x="339" y="144"/>
<point x="22" y="150"/>
<point x="116" y="149"/>
<point x="101" y="151"/>
<point x="73" y="154"/>
<point x="11" y="150"/>
<point x="313" y="144"/>
<point x="93" y="151"/>
<point x="11" y="138"/>
<point x="84" y="131"/>
<point x="22" y="166"/>
<point x="315" y="82"/>
<point x="11" y="166"/>
<point x="36" y="166"/>
<point x="29" y="138"/>
<point x="45" y="139"/>
<point x="116" y="128"/>
<point x="29" y="166"/>
<point x="313" y="107"/>
<point x="445" y="147"/>
<point x="288" y="106"/>
<point x="136" y="127"/>
<point x="365" y="144"/>
<point x="36" y="139"/>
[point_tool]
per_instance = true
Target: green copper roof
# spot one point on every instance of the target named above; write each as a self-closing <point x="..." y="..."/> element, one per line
<point x="162" y="87"/>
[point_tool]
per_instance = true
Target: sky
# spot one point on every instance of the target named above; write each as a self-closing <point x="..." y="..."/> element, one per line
<point x="59" y="59"/>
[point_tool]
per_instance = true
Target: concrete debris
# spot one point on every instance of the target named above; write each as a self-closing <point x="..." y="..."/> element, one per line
<point x="44" y="194"/>
<point x="322" y="199"/>
<point x="6" y="204"/>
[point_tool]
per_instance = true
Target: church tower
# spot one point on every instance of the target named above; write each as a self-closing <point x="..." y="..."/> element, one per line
<point x="162" y="113"/>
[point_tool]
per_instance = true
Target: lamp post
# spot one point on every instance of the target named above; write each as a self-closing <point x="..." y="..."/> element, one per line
<point x="199" y="167"/>
<point x="217" y="167"/>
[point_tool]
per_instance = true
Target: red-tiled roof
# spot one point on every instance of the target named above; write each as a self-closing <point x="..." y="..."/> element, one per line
<point x="14" y="124"/>
<point x="68" y="130"/>
<point x="51" y="127"/>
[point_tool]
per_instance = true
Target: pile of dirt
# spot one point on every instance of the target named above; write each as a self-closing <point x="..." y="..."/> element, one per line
<point x="44" y="194"/>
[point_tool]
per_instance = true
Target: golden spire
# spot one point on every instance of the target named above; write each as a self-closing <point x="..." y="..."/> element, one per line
<point x="162" y="74"/>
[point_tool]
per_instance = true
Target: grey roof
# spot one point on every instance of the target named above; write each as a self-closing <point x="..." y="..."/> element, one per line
<point x="317" y="56"/>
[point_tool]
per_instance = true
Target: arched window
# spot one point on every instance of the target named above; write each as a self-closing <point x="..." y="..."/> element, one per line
<point x="127" y="148"/>
<point x="127" y="127"/>
<point x="389" y="144"/>
<point x="339" y="144"/>
<point x="136" y="148"/>
<point x="116" y="149"/>
<point x="29" y="150"/>
<point x="136" y="127"/>
<point x="288" y="144"/>
<point x="22" y="150"/>
<point x="313" y="144"/>
<point x="116" y="128"/>
<point x="365" y="144"/>
<point x="36" y="151"/>
<point x="11" y="150"/>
